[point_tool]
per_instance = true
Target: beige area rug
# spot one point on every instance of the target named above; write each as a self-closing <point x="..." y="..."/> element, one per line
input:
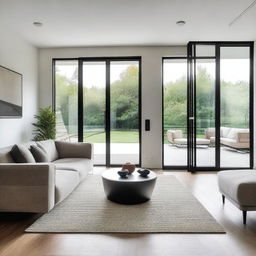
<point x="172" y="209"/>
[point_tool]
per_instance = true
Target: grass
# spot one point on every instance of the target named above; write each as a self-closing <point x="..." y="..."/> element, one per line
<point x="115" y="137"/>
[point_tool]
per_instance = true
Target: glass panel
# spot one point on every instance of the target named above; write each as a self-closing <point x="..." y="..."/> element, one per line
<point x="234" y="131"/>
<point x="175" y="112"/>
<point x="124" y="100"/>
<point x="205" y="50"/>
<point x="94" y="98"/>
<point x="66" y="82"/>
<point x="205" y="112"/>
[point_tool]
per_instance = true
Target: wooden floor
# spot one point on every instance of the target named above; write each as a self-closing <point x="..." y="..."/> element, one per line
<point x="239" y="240"/>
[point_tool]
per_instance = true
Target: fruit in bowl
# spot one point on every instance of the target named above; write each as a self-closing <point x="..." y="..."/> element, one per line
<point x="129" y="166"/>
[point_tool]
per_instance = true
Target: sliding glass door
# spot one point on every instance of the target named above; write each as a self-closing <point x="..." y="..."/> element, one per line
<point x="94" y="108"/>
<point x="124" y="112"/>
<point x="97" y="100"/>
<point x="220" y="105"/>
<point x="175" y="112"/>
<point x="235" y="106"/>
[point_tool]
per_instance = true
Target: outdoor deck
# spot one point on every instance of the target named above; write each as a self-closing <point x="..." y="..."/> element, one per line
<point x="129" y="152"/>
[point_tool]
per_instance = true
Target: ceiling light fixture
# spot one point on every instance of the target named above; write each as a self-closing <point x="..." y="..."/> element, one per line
<point x="181" y="22"/>
<point x="37" y="24"/>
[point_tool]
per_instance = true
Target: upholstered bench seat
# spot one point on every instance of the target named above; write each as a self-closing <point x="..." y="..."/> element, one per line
<point x="239" y="186"/>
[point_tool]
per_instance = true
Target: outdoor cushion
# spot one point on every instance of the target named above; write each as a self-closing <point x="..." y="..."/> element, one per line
<point x="224" y="131"/>
<point x="65" y="182"/>
<point x="233" y="143"/>
<point x="199" y="141"/>
<point x="233" y="133"/>
<point x="49" y="147"/>
<point x="239" y="186"/>
<point x="80" y="165"/>
<point x="177" y="134"/>
<point x="21" y="154"/>
<point x="181" y="141"/>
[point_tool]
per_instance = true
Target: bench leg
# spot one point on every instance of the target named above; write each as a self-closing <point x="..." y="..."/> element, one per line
<point x="223" y="199"/>
<point x="244" y="217"/>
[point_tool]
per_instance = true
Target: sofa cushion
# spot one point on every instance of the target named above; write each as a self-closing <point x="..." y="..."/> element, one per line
<point x="233" y="133"/>
<point x="239" y="186"/>
<point x="39" y="154"/>
<point x="177" y="134"/>
<point x="65" y="183"/>
<point x="224" y="131"/>
<point x="73" y="149"/>
<point x="21" y="154"/>
<point x="5" y="155"/>
<point x="49" y="147"/>
<point x="233" y="143"/>
<point x="81" y="165"/>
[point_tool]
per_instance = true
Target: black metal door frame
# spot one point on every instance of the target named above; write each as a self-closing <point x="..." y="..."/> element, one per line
<point x="191" y="106"/>
<point x="107" y="60"/>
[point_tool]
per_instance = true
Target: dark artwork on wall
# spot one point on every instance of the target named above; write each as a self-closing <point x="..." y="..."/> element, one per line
<point x="10" y="93"/>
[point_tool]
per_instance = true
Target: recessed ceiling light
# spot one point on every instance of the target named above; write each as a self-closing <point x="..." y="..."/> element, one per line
<point x="37" y="24"/>
<point x="181" y="22"/>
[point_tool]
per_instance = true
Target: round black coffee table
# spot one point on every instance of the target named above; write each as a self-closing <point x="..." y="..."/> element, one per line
<point x="131" y="190"/>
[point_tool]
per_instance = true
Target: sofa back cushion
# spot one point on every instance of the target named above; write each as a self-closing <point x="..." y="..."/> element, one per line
<point x="233" y="133"/>
<point x="5" y="153"/>
<point x="21" y="154"/>
<point x="48" y="146"/>
<point x="224" y="131"/>
<point x="39" y="154"/>
<point x="73" y="149"/>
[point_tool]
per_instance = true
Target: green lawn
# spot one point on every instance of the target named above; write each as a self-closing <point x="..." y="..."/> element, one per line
<point x="115" y="137"/>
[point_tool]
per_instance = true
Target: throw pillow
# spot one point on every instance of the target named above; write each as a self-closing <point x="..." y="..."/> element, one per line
<point x="49" y="147"/>
<point x="21" y="154"/>
<point x="39" y="154"/>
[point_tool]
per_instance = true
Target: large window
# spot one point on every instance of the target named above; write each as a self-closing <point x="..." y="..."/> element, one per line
<point x="97" y="100"/>
<point x="66" y="99"/>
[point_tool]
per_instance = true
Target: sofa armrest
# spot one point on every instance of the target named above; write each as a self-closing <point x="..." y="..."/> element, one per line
<point x="74" y="149"/>
<point x="170" y="136"/>
<point x="27" y="187"/>
<point x="243" y="137"/>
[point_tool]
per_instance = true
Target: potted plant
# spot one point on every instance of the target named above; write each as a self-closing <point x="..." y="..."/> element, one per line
<point x="45" y="126"/>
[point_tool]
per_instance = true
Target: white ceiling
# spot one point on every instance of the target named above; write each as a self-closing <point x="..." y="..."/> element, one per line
<point x="127" y="22"/>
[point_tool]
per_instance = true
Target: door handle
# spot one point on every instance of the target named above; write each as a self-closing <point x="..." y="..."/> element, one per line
<point x="191" y="118"/>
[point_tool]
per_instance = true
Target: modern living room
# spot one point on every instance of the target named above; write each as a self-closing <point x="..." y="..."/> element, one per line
<point x="127" y="127"/>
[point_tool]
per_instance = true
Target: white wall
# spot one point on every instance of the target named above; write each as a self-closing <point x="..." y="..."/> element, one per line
<point x="254" y="77"/>
<point x="151" y="87"/>
<point x="20" y="56"/>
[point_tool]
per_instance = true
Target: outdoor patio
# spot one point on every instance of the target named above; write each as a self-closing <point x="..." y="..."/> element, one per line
<point x="129" y="152"/>
<point x="206" y="156"/>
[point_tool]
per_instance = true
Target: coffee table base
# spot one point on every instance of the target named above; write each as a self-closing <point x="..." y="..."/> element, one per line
<point x="130" y="192"/>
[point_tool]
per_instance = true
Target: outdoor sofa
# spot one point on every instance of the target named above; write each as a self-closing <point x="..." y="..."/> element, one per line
<point x="175" y="137"/>
<point x="232" y="137"/>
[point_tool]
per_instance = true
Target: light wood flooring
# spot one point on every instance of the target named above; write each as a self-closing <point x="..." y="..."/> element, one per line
<point x="239" y="240"/>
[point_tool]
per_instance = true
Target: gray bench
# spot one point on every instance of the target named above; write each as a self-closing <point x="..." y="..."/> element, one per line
<point x="239" y="187"/>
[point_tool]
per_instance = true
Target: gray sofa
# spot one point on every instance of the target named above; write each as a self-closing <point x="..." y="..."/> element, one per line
<point x="239" y="187"/>
<point x="38" y="186"/>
